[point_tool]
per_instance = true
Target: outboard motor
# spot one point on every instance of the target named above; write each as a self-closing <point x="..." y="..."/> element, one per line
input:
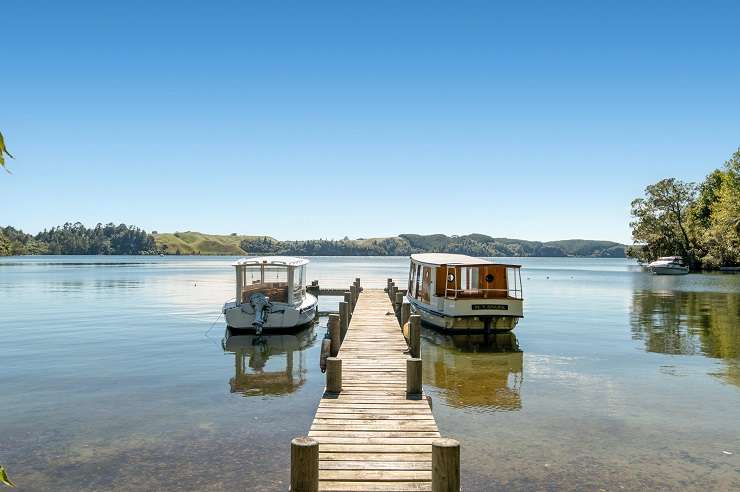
<point x="262" y="308"/>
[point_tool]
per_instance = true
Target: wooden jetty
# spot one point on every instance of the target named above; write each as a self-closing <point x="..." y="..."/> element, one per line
<point x="374" y="429"/>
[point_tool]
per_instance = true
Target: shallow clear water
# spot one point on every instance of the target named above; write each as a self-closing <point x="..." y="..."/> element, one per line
<point x="113" y="377"/>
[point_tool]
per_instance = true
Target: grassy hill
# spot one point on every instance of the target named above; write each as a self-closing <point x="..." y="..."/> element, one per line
<point x="194" y="243"/>
<point x="472" y="244"/>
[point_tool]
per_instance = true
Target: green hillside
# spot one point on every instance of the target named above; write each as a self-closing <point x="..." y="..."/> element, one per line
<point x="405" y="244"/>
<point x="194" y="243"/>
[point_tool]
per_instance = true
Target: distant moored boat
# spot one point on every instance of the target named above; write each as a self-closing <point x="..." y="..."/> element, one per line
<point x="668" y="265"/>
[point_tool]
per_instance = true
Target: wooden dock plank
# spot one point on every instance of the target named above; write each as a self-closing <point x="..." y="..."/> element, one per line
<point x="371" y="436"/>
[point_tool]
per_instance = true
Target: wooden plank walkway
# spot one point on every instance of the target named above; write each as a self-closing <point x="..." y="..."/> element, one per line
<point x="371" y="437"/>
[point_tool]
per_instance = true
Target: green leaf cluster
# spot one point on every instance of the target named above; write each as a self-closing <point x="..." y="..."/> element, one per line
<point x="76" y="239"/>
<point x="700" y="222"/>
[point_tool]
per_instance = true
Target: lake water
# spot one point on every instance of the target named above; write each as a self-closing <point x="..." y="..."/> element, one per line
<point x="113" y="377"/>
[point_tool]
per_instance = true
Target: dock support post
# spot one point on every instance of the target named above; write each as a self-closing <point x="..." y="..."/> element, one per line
<point x="333" y="375"/>
<point x="335" y="334"/>
<point x="413" y="376"/>
<point x="397" y="303"/>
<point x="415" y="335"/>
<point x="394" y="289"/>
<point x="388" y="285"/>
<point x="348" y="300"/>
<point x="343" y="319"/>
<point x="353" y="296"/>
<point x="359" y="287"/>
<point x="405" y="313"/>
<point x="445" y="465"/>
<point x="304" y="465"/>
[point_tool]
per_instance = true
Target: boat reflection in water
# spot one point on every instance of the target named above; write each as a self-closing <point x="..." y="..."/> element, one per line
<point x="479" y="372"/>
<point x="270" y="364"/>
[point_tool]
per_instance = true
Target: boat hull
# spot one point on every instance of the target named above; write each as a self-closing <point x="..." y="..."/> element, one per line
<point x="459" y="321"/>
<point x="282" y="316"/>
<point x="658" y="270"/>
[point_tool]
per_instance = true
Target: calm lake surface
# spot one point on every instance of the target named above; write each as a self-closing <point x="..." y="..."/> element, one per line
<point x="113" y="376"/>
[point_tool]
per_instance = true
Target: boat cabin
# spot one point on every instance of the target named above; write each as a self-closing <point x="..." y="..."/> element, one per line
<point x="463" y="293"/>
<point x="453" y="276"/>
<point x="281" y="278"/>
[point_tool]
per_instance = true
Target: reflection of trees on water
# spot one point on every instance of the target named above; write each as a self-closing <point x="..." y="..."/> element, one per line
<point x="286" y="353"/>
<point x="472" y="371"/>
<point x="690" y="323"/>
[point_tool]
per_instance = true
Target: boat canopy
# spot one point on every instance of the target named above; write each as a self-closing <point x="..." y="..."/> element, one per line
<point x="290" y="261"/>
<point x="281" y="278"/>
<point x="437" y="259"/>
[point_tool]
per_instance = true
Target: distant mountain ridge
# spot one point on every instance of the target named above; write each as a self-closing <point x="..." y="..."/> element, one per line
<point x="403" y="245"/>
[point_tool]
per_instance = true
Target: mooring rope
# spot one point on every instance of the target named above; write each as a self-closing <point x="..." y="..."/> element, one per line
<point x="212" y="325"/>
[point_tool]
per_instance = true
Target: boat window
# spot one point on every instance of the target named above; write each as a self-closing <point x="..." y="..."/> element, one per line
<point x="514" y="283"/>
<point x="411" y="279"/>
<point x="270" y="280"/>
<point x="484" y="282"/>
<point x="276" y="274"/>
<point x="252" y="274"/>
<point x="418" y="279"/>
<point x="426" y="283"/>
<point x="299" y="275"/>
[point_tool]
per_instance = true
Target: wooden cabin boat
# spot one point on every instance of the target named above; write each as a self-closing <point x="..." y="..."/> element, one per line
<point x="270" y="293"/>
<point x="463" y="293"/>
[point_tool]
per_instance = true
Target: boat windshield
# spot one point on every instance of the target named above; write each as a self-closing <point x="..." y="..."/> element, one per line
<point x="669" y="260"/>
<point x="489" y="281"/>
<point x="270" y="280"/>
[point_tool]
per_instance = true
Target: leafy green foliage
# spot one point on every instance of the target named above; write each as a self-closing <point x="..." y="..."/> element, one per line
<point x="4" y="477"/>
<point x="661" y="220"/>
<point x="4" y="152"/>
<point x="76" y="239"/>
<point x="701" y="223"/>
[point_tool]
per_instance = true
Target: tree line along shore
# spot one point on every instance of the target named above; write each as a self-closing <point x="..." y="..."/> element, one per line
<point x="698" y="221"/>
<point x="110" y="239"/>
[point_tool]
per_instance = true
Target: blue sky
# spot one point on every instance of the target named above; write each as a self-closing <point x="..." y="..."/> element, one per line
<point x="535" y="120"/>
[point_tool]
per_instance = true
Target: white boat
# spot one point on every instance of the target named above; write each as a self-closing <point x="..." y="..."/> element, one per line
<point x="270" y="294"/>
<point x="668" y="265"/>
<point x="463" y="293"/>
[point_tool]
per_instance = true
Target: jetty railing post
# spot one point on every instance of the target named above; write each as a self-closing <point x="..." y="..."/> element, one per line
<point x="415" y="335"/>
<point x="397" y="303"/>
<point x="405" y="313"/>
<point x="445" y="465"/>
<point x="343" y="319"/>
<point x="413" y="376"/>
<point x="333" y="375"/>
<point x="359" y="287"/>
<point x="348" y="300"/>
<point x="304" y="465"/>
<point x="353" y="296"/>
<point x="388" y="285"/>
<point x="335" y="334"/>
